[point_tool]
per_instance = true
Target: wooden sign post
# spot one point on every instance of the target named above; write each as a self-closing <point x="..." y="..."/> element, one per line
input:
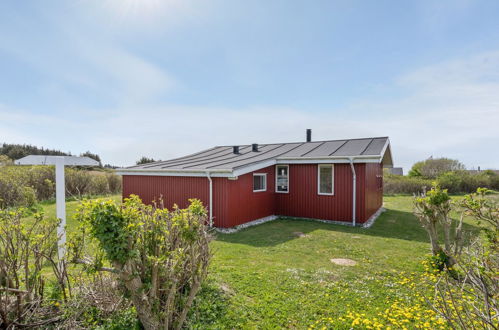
<point x="60" y="187"/>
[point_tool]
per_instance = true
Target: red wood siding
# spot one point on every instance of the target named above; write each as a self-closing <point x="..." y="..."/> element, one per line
<point x="303" y="200"/>
<point x="374" y="189"/>
<point x="235" y="203"/>
<point x="172" y="189"/>
<point x="244" y="205"/>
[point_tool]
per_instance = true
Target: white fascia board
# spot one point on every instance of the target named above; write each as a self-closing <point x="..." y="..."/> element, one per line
<point x="387" y="143"/>
<point x="253" y="167"/>
<point x="305" y="160"/>
<point x="385" y="148"/>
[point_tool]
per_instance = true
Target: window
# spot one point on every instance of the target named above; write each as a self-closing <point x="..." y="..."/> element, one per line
<point x="282" y="178"/>
<point x="325" y="179"/>
<point x="259" y="182"/>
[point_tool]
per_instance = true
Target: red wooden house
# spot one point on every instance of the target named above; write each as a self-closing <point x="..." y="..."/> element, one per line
<point x="338" y="180"/>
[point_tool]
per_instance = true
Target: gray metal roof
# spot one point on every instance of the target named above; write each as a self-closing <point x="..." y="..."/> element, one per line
<point x="222" y="158"/>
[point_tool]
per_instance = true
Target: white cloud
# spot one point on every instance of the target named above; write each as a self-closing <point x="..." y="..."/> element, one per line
<point x="449" y="109"/>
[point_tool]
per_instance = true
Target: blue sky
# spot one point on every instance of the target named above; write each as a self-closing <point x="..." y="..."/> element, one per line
<point x="126" y="78"/>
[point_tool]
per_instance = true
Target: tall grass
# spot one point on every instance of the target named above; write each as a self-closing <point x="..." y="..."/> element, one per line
<point x="25" y="185"/>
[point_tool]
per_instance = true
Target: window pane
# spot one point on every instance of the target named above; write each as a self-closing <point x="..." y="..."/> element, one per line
<point x="326" y="180"/>
<point x="259" y="182"/>
<point x="282" y="178"/>
<point x="256" y="182"/>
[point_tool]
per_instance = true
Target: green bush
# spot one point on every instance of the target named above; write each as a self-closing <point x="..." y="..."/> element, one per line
<point x="114" y="183"/>
<point x="41" y="179"/>
<point x="466" y="182"/>
<point x="459" y="181"/>
<point x="99" y="185"/>
<point x="14" y="190"/>
<point x="160" y="256"/>
<point x="432" y="168"/>
<point x="398" y="184"/>
<point x="78" y="182"/>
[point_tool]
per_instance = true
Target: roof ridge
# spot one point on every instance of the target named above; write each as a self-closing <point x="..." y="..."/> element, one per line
<point x="364" y="138"/>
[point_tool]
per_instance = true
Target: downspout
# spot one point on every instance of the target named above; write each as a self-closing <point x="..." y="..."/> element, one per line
<point x="210" y="214"/>
<point x="354" y="192"/>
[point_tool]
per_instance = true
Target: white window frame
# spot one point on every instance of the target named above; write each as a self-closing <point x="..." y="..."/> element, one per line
<point x="264" y="181"/>
<point x="319" y="166"/>
<point x="276" y="174"/>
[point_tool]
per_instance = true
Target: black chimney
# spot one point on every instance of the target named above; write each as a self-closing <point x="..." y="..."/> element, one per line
<point x="254" y="147"/>
<point x="235" y="149"/>
<point x="309" y="135"/>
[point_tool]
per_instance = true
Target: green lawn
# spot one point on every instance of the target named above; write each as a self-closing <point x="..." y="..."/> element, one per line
<point x="268" y="277"/>
<point x="49" y="210"/>
<point x="276" y="279"/>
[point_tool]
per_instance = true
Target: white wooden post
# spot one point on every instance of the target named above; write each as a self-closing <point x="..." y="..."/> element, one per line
<point x="60" y="194"/>
<point x="60" y="187"/>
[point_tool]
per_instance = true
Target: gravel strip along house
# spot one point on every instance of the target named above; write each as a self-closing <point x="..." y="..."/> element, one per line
<point x="337" y="180"/>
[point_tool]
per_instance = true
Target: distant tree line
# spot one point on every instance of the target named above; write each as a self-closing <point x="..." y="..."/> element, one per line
<point x="16" y="151"/>
<point x="145" y="160"/>
<point x="91" y="155"/>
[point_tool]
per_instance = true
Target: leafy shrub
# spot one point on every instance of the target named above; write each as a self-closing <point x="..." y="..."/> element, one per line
<point x="433" y="212"/>
<point x="5" y="160"/>
<point x="434" y="167"/>
<point x="78" y="182"/>
<point x="113" y="183"/>
<point x="466" y="182"/>
<point x="466" y="294"/>
<point x="99" y="185"/>
<point x="26" y="248"/>
<point x="41" y="179"/>
<point x="13" y="189"/>
<point x="160" y="256"/>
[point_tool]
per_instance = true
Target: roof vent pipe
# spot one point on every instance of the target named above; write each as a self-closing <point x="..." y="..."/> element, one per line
<point x="309" y="135"/>
<point x="254" y="147"/>
<point x="235" y="149"/>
